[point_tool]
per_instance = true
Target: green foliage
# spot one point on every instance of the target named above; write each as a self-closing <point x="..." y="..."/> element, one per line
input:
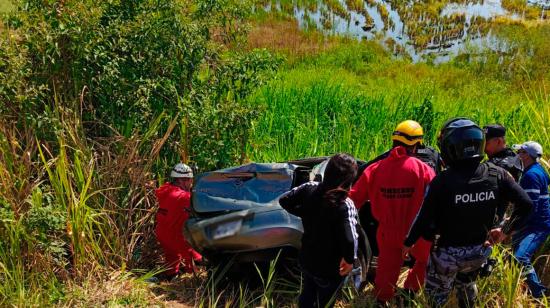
<point x="220" y="122"/>
<point x="122" y="63"/>
<point x="43" y="217"/>
<point x="425" y="114"/>
<point x="268" y="282"/>
<point x="350" y="99"/>
<point x="313" y="115"/>
<point x="6" y="212"/>
<point x="98" y="98"/>
<point x="266" y="285"/>
<point x="46" y="223"/>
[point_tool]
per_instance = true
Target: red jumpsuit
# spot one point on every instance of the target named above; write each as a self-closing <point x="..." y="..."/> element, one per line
<point x="395" y="187"/>
<point x="174" y="203"/>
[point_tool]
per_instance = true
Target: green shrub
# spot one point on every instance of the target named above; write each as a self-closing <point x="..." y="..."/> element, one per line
<point x="98" y="98"/>
<point x="120" y="64"/>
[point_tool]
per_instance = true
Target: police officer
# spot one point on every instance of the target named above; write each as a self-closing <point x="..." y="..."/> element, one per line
<point x="498" y="153"/>
<point x="462" y="204"/>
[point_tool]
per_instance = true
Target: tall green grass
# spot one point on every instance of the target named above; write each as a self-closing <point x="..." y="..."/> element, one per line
<point x="350" y="99"/>
<point x="57" y="216"/>
<point x="318" y="111"/>
<point x="503" y="288"/>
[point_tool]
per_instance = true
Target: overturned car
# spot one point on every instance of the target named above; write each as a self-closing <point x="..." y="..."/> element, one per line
<point x="236" y="213"/>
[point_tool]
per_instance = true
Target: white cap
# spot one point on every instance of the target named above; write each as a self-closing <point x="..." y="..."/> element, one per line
<point x="181" y="170"/>
<point x="534" y="149"/>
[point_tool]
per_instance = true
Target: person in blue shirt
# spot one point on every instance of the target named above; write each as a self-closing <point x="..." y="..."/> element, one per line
<point x="528" y="240"/>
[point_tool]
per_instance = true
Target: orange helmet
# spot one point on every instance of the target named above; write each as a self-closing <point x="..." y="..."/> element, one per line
<point x="408" y="132"/>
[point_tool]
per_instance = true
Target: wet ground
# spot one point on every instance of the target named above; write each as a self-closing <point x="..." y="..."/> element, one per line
<point x="413" y="28"/>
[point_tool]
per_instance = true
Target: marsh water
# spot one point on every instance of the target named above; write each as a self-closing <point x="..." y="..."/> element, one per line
<point x="410" y="28"/>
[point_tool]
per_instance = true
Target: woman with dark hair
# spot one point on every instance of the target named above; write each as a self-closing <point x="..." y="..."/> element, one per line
<point x="329" y="242"/>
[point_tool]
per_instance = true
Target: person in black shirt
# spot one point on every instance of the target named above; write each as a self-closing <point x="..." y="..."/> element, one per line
<point x="463" y="205"/>
<point x="498" y="153"/>
<point x="330" y="239"/>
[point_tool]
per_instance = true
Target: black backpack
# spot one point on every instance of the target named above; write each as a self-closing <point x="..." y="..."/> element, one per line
<point x="431" y="157"/>
<point x="511" y="164"/>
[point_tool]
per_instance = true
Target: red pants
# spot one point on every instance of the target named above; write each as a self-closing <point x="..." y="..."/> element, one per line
<point x="390" y="262"/>
<point x="177" y="250"/>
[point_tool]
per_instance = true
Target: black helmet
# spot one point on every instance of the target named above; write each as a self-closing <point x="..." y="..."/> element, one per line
<point x="445" y="125"/>
<point x="461" y="139"/>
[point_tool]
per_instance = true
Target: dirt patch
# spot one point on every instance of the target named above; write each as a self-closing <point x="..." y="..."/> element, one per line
<point x="286" y="37"/>
<point x="183" y="291"/>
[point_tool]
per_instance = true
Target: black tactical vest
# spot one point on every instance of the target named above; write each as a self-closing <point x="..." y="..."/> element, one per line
<point x="470" y="208"/>
<point x="511" y="163"/>
<point x="430" y="157"/>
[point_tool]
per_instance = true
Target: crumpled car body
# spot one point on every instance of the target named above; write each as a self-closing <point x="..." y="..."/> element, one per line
<point x="236" y="211"/>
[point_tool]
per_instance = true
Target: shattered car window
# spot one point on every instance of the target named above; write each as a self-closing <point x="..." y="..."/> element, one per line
<point x="242" y="187"/>
<point x="318" y="171"/>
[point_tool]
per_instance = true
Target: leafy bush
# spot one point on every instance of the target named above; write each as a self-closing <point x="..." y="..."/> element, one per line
<point x="120" y="64"/>
<point x="99" y="97"/>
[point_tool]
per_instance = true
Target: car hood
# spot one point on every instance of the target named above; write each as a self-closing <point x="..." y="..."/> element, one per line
<point x="242" y="187"/>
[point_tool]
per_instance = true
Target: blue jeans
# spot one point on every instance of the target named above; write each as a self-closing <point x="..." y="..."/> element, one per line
<point x="525" y="243"/>
<point x="319" y="292"/>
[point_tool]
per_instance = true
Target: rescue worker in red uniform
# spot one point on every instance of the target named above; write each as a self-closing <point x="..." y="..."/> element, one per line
<point x="395" y="187"/>
<point x="174" y="201"/>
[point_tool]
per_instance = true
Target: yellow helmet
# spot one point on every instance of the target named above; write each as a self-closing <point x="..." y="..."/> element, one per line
<point x="408" y="132"/>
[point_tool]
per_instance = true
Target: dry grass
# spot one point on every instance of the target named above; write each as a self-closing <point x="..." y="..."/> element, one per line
<point x="16" y="166"/>
<point x="183" y="291"/>
<point x="192" y="290"/>
<point x="356" y="5"/>
<point x="120" y="288"/>
<point x="521" y="7"/>
<point x="284" y="36"/>
<point x="115" y="289"/>
<point x="506" y="20"/>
